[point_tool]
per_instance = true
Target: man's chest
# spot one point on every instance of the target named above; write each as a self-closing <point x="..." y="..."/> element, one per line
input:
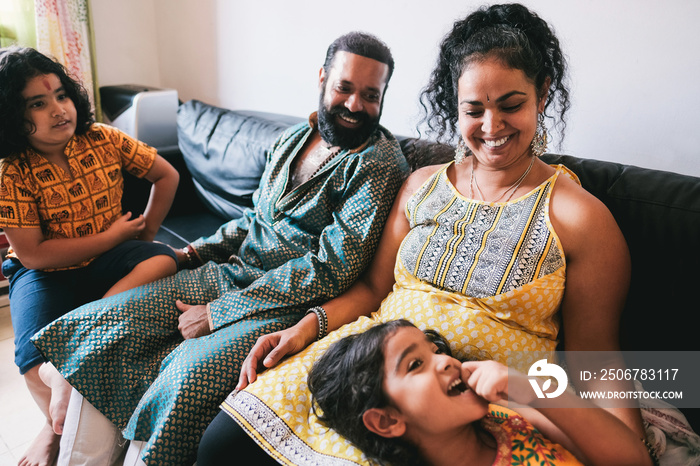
<point x="308" y="163"/>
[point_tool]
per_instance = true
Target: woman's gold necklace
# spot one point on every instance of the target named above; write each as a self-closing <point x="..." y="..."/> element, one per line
<point x="512" y="188"/>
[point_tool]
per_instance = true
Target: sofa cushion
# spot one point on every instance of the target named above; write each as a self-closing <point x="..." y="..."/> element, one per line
<point x="225" y="152"/>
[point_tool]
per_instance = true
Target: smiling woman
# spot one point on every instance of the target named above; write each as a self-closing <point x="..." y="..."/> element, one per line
<point x="492" y="127"/>
<point x="499" y="133"/>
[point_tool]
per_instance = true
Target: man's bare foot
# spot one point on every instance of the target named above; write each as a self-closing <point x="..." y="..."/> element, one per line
<point x="44" y="449"/>
<point x="60" y="395"/>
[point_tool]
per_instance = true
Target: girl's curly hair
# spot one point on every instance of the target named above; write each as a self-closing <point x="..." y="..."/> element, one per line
<point x="17" y="66"/>
<point x="510" y="33"/>
<point x="347" y="381"/>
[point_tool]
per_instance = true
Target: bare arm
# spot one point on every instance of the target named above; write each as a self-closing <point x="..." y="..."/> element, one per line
<point x="165" y="180"/>
<point x="36" y="252"/>
<point x="594" y="435"/>
<point x="597" y="280"/>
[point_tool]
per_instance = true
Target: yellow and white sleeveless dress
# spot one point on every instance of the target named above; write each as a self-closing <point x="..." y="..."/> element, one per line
<point x="488" y="276"/>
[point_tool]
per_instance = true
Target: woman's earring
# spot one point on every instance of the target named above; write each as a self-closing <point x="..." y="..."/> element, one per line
<point x="539" y="142"/>
<point x="461" y="152"/>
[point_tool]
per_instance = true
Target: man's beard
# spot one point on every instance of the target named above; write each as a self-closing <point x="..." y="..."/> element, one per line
<point x="337" y="135"/>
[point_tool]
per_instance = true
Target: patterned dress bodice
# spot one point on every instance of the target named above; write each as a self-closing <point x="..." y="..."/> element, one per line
<point x="476" y="248"/>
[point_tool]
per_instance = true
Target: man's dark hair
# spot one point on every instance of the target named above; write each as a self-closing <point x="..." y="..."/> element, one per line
<point x="17" y="66"/>
<point x="363" y="44"/>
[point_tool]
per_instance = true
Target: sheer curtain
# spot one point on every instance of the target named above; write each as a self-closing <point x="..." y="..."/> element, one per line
<point x="63" y="31"/>
<point x="17" y="23"/>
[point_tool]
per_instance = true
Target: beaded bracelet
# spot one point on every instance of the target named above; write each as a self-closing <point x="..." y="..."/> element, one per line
<point x="192" y="258"/>
<point x="322" y="320"/>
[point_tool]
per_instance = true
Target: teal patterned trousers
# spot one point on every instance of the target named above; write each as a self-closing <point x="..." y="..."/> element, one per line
<point x="125" y="355"/>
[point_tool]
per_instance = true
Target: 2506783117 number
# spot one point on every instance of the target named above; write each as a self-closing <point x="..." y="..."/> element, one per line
<point x="638" y="374"/>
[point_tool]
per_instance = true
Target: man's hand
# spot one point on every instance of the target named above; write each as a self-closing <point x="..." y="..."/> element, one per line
<point x="268" y="351"/>
<point x="194" y="321"/>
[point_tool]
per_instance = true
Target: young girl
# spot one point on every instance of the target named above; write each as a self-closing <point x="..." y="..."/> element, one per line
<point x="60" y="207"/>
<point x="399" y="395"/>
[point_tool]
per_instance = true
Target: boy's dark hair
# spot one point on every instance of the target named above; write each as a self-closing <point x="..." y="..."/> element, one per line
<point x="511" y="33"/>
<point x="348" y="380"/>
<point x="363" y="44"/>
<point x="17" y="66"/>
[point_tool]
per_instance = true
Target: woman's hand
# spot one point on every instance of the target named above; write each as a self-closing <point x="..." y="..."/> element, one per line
<point x="270" y="349"/>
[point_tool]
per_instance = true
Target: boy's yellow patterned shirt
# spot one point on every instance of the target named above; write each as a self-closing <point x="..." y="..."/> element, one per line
<point x="35" y="193"/>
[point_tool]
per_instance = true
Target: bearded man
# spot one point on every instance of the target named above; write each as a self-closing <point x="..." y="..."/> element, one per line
<point x="157" y="361"/>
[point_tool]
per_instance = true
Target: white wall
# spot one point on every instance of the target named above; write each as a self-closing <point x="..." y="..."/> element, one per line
<point x="634" y="63"/>
<point x="125" y="42"/>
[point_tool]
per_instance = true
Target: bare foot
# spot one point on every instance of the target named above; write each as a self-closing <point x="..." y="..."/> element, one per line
<point x="43" y="450"/>
<point x="60" y="395"/>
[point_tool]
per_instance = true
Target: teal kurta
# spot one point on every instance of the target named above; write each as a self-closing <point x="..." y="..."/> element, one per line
<point x="293" y="250"/>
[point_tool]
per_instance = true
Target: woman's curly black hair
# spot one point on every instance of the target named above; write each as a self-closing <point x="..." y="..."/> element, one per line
<point x="17" y="66"/>
<point x="347" y="381"/>
<point x="510" y="33"/>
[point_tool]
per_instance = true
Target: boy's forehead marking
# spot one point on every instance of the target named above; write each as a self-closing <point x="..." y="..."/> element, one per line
<point x="47" y="85"/>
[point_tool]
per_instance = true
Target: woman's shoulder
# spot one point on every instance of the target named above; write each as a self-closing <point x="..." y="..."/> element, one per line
<point x="576" y="214"/>
<point x="568" y="193"/>
<point x="414" y="182"/>
<point x="421" y="175"/>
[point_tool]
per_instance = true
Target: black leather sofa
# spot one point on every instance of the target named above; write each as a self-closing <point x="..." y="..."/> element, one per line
<point x="222" y="155"/>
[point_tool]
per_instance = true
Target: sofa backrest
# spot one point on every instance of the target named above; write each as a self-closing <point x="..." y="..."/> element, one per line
<point x="225" y="152"/>
<point x="659" y="215"/>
